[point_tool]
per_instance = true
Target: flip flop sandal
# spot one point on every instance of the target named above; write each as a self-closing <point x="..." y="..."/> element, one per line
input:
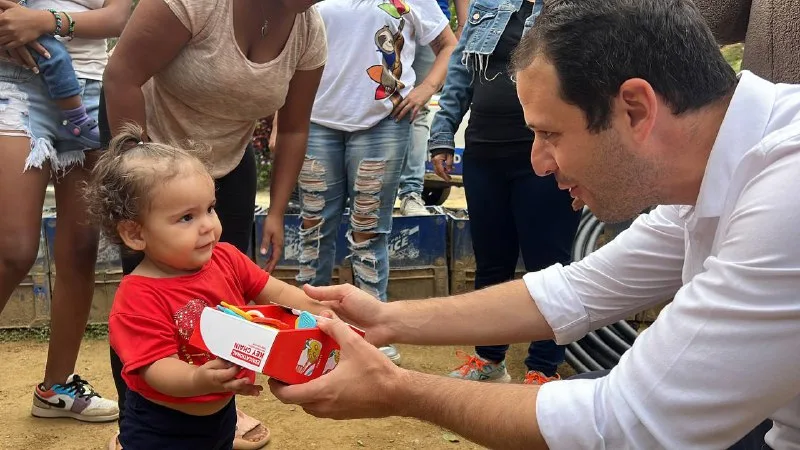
<point x="248" y="425"/>
<point x="114" y="444"/>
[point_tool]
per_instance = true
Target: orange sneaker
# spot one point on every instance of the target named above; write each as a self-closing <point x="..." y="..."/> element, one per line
<point x="476" y="368"/>
<point x="538" y="378"/>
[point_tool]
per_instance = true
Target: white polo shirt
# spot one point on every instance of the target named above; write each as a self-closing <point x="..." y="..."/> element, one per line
<point x="725" y="354"/>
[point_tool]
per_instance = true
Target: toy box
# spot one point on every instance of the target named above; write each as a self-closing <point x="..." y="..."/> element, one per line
<point x="272" y="341"/>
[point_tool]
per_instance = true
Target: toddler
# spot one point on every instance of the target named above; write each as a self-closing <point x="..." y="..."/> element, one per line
<point x="159" y="200"/>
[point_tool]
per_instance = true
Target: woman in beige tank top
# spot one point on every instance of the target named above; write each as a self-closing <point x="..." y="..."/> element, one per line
<point x="208" y="70"/>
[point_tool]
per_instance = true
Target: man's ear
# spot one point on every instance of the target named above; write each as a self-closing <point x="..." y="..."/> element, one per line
<point x="638" y="102"/>
<point x="131" y="234"/>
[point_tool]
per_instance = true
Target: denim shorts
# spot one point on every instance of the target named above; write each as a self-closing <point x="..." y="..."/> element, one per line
<point x="27" y="110"/>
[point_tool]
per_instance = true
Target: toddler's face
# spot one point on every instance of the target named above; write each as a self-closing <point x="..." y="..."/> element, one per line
<point x="181" y="227"/>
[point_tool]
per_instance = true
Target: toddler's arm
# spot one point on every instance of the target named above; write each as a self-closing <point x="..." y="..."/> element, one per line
<point x="177" y="378"/>
<point x="283" y="293"/>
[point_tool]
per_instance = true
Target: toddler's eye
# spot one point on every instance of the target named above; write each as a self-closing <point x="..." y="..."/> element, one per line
<point x="210" y="209"/>
<point x="186" y="218"/>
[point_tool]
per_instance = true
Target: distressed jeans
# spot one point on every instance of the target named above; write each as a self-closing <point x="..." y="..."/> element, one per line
<point x="359" y="170"/>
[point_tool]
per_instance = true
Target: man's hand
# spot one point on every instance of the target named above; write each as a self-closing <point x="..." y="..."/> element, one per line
<point x="220" y="376"/>
<point x="358" y="308"/>
<point x="359" y="387"/>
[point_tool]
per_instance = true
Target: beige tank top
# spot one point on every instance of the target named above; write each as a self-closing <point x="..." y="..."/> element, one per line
<point x="212" y="93"/>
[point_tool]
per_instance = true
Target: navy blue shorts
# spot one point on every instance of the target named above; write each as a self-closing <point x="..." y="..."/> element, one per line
<point x="148" y="426"/>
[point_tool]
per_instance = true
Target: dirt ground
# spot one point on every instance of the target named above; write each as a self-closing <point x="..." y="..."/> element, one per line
<point x="22" y="365"/>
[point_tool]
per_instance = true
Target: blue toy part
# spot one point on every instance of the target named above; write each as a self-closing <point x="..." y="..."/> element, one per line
<point x="305" y="320"/>
<point x="229" y="312"/>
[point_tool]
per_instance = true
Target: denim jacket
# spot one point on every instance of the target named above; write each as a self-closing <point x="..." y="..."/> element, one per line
<point x="486" y="21"/>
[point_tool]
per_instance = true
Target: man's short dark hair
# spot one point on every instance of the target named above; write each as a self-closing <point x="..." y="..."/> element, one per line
<point x="596" y="45"/>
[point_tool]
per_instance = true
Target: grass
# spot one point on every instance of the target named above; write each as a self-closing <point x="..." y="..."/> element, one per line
<point x="42" y="334"/>
<point x="733" y="54"/>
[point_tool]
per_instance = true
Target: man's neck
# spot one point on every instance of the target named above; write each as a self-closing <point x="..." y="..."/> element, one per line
<point x="688" y="145"/>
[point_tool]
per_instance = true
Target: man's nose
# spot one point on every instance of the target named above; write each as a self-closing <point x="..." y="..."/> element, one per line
<point x="542" y="161"/>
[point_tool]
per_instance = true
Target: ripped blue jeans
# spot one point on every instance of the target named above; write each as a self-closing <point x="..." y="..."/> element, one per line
<point x="359" y="170"/>
<point x="27" y="110"/>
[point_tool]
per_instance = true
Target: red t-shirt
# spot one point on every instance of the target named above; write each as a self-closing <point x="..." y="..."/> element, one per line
<point x="153" y="318"/>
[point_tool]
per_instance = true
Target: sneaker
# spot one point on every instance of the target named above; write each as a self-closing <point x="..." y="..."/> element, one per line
<point x="391" y="352"/>
<point x="476" y="368"/>
<point x="539" y="378"/>
<point x="412" y="205"/>
<point x="76" y="399"/>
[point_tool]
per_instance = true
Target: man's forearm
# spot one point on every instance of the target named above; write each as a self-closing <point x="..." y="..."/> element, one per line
<point x="505" y="417"/>
<point x="499" y="314"/>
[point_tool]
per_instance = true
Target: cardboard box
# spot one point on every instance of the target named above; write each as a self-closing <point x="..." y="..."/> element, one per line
<point x="290" y="355"/>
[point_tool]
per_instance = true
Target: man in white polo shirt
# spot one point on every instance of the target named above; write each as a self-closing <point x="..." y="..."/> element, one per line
<point x="633" y="106"/>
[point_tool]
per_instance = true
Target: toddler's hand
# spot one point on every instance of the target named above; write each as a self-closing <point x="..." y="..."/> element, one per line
<point x="220" y="376"/>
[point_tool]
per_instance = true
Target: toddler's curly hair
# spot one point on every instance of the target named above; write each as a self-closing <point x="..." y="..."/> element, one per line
<point x="123" y="180"/>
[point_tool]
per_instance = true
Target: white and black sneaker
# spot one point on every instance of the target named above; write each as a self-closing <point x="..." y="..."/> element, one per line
<point x="75" y="399"/>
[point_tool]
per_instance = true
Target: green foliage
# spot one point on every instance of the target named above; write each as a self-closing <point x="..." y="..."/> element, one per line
<point x="733" y="54"/>
<point x="453" y="18"/>
<point x="262" y="151"/>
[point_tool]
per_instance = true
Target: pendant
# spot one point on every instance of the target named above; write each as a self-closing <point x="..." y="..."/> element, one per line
<point x="264" y="29"/>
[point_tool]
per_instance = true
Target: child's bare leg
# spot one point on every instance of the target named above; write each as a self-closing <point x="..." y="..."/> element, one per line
<point x="68" y="103"/>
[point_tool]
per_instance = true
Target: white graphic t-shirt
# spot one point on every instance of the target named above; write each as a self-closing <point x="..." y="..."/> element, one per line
<point x="371" y="46"/>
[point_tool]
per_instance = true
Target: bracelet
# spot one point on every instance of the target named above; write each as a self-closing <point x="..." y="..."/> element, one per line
<point x="71" y="27"/>
<point x="57" y="16"/>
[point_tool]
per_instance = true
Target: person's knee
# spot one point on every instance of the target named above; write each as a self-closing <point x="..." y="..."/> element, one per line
<point x="83" y="245"/>
<point x="18" y="252"/>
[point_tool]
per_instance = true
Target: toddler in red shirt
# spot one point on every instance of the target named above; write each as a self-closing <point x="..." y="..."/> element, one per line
<point x="159" y="200"/>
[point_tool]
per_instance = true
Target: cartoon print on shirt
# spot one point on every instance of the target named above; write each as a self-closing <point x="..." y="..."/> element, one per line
<point x="395" y="8"/>
<point x="186" y="320"/>
<point x="390" y="45"/>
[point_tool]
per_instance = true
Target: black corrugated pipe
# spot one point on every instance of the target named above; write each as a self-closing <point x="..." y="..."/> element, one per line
<point x="605" y="363"/>
<point x="613" y="340"/>
<point x="627" y="331"/>
<point x="583" y="357"/>
<point x="574" y="362"/>
<point x="602" y="348"/>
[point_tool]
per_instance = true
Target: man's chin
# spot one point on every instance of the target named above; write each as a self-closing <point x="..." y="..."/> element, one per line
<point x="610" y="216"/>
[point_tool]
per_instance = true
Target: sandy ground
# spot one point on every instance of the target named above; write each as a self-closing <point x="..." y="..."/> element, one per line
<point x="22" y="364"/>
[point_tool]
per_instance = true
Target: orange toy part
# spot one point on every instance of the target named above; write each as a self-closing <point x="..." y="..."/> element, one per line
<point x="270" y="322"/>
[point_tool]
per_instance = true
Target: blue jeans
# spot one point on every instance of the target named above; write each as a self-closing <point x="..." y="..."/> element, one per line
<point x="57" y="72"/>
<point x="26" y="108"/>
<point x="413" y="173"/>
<point x="359" y="169"/>
<point x="513" y="209"/>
